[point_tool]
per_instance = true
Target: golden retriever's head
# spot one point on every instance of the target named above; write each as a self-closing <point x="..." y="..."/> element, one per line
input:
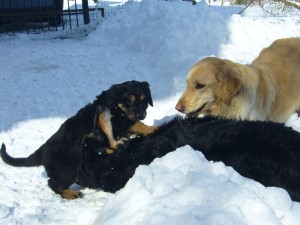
<point x="211" y="82"/>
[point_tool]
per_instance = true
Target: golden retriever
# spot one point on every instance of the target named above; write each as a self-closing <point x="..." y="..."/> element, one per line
<point x="268" y="89"/>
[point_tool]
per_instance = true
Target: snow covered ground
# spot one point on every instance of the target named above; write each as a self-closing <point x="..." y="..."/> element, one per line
<point x="44" y="82"/>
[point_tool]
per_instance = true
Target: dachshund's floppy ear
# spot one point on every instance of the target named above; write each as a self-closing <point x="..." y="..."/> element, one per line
<point x="146" y="89"/>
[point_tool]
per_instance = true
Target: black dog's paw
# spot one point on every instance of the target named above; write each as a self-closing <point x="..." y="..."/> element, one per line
<point x="121" y="141"/>
<point x="122" y="147"/>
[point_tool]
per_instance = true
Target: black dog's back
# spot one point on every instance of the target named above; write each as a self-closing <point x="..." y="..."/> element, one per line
<point x="58" y="142"/>
<point x="265" y="151"/>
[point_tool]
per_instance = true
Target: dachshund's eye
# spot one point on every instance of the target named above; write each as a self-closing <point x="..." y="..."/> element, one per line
<point x="199" y="86"/>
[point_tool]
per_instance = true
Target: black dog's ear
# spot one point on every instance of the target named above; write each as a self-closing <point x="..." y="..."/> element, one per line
<point x="146" y="88"/>
<point x="111" y="97"/>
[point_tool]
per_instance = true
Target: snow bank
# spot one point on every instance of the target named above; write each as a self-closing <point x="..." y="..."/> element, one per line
<point x="184" y="188"/>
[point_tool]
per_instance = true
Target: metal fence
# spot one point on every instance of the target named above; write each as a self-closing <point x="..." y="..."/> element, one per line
<point x="53" y="17"/>
<point x="47" y="19"/>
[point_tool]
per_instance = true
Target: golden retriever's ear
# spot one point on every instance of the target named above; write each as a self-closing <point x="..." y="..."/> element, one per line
<point x="229" y="81"/>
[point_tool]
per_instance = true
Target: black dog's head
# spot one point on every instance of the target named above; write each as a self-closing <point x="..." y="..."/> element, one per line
<point x="131" y="98"/>
<point x="98" y="169"/>
<point x="96" y="140"/>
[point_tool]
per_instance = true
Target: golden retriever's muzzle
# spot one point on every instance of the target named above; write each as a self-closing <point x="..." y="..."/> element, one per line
<point x="180" y="107"/>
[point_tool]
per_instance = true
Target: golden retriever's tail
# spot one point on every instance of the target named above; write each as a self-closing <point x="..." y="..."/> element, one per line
<point x="33" y="160"/>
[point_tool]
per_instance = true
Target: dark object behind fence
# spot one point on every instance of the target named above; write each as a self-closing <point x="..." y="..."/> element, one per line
<point x="35" y="16"/>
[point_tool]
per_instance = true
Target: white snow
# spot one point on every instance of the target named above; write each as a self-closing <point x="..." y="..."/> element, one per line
<point x="43" y="82"/>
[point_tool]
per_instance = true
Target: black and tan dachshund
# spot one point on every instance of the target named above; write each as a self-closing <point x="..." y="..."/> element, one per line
<point x="60" y="155"/>
<point x="267" y="152"/>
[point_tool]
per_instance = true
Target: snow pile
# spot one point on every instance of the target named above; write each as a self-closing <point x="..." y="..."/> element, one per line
<point x="165" y="30"/>
<point x="184" y="188"/>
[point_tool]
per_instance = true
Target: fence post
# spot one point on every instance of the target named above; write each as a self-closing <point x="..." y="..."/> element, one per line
<point x="85" y="8"/>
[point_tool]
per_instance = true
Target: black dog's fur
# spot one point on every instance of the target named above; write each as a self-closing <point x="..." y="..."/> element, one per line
<point x="264" y="151"/>
<point x="60" y="155"/>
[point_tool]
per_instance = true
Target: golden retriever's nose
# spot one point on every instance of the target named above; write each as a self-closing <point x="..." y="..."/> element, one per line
<point x="180" y="107"/>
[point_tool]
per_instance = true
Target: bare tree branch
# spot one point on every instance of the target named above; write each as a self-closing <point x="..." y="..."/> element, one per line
<point x="289" y="3"/>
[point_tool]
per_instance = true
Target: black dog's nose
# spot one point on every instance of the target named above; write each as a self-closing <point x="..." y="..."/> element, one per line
<point x="140" y="116"/>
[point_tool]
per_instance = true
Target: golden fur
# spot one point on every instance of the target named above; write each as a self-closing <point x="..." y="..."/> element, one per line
<point x="267" y="89"/>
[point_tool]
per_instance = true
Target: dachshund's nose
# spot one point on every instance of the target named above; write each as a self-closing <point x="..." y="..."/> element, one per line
<point x="180" y="107"/>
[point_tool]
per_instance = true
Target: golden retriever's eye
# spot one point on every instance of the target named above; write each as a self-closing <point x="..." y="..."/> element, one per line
<point x="199" y="86"/>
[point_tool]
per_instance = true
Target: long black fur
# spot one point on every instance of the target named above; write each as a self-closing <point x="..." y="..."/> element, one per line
<point x="264" y="151"/>
<point x="60" y="155"/>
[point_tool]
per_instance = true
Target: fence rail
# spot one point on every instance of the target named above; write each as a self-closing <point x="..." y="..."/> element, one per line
<point x="33" y="16"/>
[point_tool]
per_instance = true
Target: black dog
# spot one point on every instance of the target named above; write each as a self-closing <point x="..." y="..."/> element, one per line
<point x="60" y="155"/>
<point x="264" y="151"/>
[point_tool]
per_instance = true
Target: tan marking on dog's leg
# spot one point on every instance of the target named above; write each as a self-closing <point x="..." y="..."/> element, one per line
<point x="109" y="151"/>
<point x="104" y="123"/>
<point x="141" y="128"/>
<point x="70" y="194"/>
